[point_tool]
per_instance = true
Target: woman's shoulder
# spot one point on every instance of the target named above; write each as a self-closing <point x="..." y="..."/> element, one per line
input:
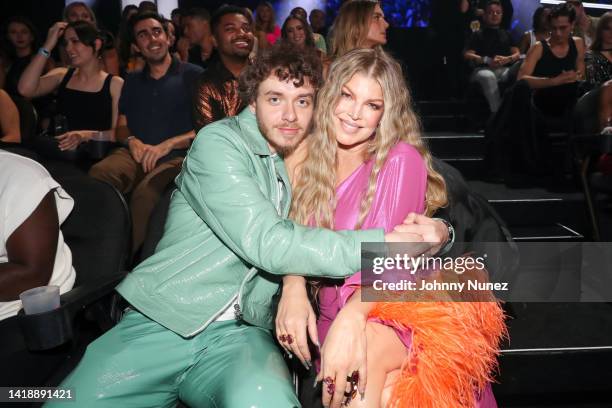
<point x="404" y="155"/>
<point x="404" y="150"/>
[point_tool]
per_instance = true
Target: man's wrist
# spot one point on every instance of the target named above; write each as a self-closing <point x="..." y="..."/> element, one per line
<point x="450" y="238"/>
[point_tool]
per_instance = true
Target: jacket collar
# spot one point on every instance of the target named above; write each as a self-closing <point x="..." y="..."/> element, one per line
<point x="252" y="136"/>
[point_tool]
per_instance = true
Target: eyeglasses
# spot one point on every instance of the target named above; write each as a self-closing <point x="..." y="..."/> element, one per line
<point x="494" y="13"/>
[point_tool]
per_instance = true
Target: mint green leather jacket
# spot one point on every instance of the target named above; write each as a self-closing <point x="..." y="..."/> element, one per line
<point x="227" y="236"/>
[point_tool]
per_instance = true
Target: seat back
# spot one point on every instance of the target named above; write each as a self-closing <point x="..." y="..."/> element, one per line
<point x="28" y="118"/>
<point x="585" y="118"/>
<point x="98" y="229"/>
<point x="155" y="228"/>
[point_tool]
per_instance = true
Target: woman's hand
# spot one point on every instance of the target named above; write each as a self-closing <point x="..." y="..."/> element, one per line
<point x="343" y="354"/>
<point x="70" y="140"/>
<point x="294" y="318"/>
<point x="55" y="33"/>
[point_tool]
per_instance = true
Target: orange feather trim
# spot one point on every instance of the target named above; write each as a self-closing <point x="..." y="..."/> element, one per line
<point x="453" y="353"/>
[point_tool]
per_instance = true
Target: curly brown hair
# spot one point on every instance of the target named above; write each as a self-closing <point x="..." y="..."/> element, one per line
<point x="286" y="63"/>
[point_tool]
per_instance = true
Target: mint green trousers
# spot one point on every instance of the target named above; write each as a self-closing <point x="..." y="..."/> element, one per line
<point x="140" y="363"/>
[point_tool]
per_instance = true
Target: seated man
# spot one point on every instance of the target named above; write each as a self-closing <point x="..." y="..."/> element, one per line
<point x="200" y="328"/>
<point x="197" y="31"/>
<point x="217" y="95"/>
<point x="32" y="249"/>
<point x="491" y="52"/>
<point x="154" y="123"/>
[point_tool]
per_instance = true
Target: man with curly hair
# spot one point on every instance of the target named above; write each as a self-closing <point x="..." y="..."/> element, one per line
<point x="202" y="306"/>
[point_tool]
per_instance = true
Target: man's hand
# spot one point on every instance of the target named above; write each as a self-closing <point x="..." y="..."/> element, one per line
<point x="420" y="228"/>
<point x="137" y="149"/>
<point x="500" y="60"/>
<point x="152" y="154"/>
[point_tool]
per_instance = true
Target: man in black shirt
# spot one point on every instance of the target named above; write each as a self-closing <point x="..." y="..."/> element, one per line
<point x="154" y="123"/>
<point x="491" y="52"/>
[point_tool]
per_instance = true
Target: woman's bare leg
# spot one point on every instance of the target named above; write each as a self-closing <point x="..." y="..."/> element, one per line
<point x="385" y="355"/>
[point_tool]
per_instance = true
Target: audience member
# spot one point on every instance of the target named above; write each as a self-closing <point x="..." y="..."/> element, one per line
<point x="176" y="15"/>
<point x="540" y="30"/>
<point x="148" y="6"/>
<point x="319" y="40"/>
<point x="491" y="52"/>
<point x="359" y="24"/>
<point x="18" y="48"/>
<point x="197" y="30"/>
<point x="478" y="10"/>
<point x="129" y="58"/>
<point x="585" y="25"/>
<point x="266" y="29"/>
<point x="599" y="74"/>
<point x="80" y="11"/>
<point x="553" y="67"/>
<point x="599" y="58"/>
<point x="203" y="302"/>
<point x="154" y="123"/>
<point x="317" y="22"/>
<point x="547" y="85"/>
<point x="32" y="249"/>
<point x="9" y="120"/>
<point x="297" y="32"/>
<point x="217" y="94"/>
<point x="86" y="95"/>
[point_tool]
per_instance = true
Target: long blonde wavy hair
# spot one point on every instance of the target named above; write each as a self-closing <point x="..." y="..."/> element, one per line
<point x="351" y="26"/>
<point x="314" y="192"/>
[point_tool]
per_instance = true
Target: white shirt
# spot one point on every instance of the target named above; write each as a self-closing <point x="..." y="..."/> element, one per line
<point x="23" y="185"/>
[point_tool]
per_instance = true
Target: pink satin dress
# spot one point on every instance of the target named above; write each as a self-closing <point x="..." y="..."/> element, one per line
<point x="400" y="189"/>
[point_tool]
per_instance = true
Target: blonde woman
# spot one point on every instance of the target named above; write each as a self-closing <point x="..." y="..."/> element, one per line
<point x="359" y="24"/>
<point x="367" y="166"/>
<point x="266" y="29"/>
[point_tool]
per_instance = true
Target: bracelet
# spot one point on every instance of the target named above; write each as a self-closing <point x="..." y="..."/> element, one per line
<point x="44" y="52"/>
<point x="451" y="236"/>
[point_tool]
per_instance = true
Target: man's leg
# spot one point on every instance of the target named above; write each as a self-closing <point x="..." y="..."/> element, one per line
<point x="146" y="196"/>
<point x="241" y="367"/>
<point x="136" y="364"/>
<point x="488" y="82"/>
<point x="118" y="169"/>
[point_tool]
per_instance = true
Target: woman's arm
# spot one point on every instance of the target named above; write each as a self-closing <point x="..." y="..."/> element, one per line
<point x="526" y="71"/>
<point x="115" y="89"/>
<point x="9" y="119"/>
<point x="525" y="43"/>
<point x="31" y="84"/>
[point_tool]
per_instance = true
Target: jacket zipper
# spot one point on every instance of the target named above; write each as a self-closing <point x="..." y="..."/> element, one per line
<point x="252" y="271"/>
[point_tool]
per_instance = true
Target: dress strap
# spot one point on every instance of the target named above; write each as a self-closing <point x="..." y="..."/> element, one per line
<point x="66" y="78"/>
